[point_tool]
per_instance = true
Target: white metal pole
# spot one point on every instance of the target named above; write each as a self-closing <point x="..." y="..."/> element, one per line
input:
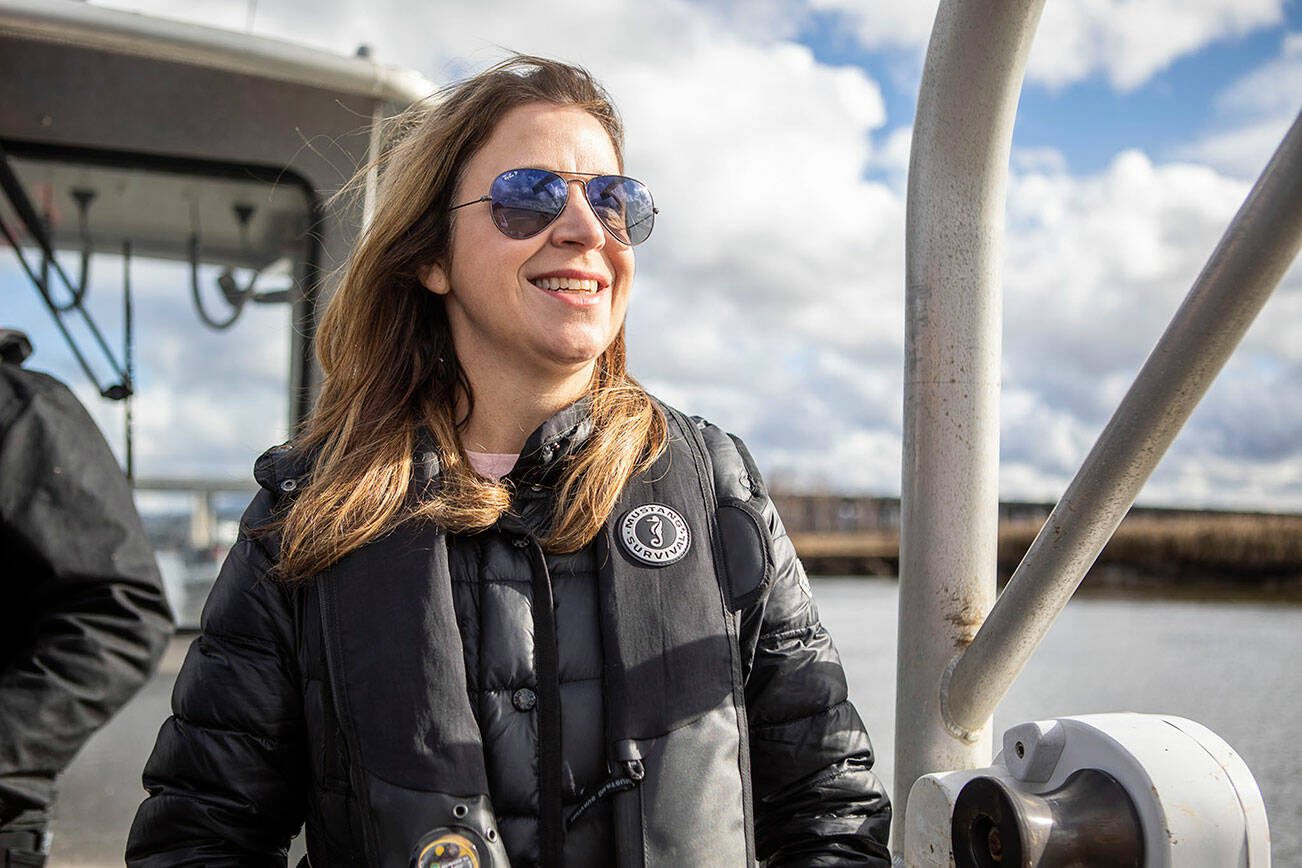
<point x="373" y="153"/>
<point x="957" y="179"/>
<point x="1250" y="260"/>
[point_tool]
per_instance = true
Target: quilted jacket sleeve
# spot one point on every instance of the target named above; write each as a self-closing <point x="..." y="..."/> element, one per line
<point x="83" y="619"/>
<point x="228" y="777"/>
<point x="817" y="801"/>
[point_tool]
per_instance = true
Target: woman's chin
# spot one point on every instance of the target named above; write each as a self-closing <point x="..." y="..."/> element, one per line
<point x="574" y="359"/>
<point x="577" y="350"/>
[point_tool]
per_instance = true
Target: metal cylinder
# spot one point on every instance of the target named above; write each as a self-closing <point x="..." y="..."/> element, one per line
<point x="957" y="180"/>
<point x="1089" y="820"/>
<point x="1250" y="260"/>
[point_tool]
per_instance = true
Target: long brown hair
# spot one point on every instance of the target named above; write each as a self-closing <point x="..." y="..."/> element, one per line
<point x="390" y="368"/>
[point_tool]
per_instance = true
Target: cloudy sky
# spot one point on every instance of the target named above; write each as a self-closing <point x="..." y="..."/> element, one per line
<point x="775" y="137"/>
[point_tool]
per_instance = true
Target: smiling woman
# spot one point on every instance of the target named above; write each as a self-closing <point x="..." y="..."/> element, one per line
<point x="534" y="312"/>
<point x="495" y="597"/>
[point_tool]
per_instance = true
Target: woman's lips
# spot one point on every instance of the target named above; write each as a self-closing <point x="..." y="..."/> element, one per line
<point x="567" y="284"/>
<point x="580" y="292"/>
<point x="576" y="299"/>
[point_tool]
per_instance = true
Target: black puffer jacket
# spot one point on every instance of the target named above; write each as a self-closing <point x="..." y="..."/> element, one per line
<point x="255" y="744"/>
<point x="83" y="619"/>
<point x="492" y="588"/>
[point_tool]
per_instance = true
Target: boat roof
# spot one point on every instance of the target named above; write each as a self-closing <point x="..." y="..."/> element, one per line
<point x="213" y="148"/>
<point x="175" y="127"/>
<point x="78" y="24"/>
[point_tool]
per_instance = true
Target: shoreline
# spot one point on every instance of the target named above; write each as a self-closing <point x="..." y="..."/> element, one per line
<point x="1227" y="557"/>
<point x="1208" y="593"/>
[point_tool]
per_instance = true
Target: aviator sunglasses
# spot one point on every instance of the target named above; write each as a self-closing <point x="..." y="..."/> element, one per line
<point x="526" y="201"/>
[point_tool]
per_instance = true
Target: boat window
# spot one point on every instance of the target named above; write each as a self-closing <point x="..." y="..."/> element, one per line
<point x="215" y="263"/>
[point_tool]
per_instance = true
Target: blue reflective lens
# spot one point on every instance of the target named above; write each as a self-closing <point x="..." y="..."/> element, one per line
<point x="624" y="205"/>
<point x="525" y="201"/>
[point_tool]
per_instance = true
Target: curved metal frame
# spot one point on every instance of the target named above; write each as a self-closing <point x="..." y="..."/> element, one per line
<point x="955" y="664"/>
<point x="958" y="173"/>
<point x="121" y="32"/>
<point x="1250" y="260"/>
<point x="305" y="311"/>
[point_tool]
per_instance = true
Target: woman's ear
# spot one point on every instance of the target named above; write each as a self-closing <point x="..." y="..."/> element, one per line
<point x="434" y="278"/>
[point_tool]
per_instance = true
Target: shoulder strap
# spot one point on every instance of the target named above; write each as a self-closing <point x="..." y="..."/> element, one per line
<point x="404" y="712"/>
<point x="743" y="531"/>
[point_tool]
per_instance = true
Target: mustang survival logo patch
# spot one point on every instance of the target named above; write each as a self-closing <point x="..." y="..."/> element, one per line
<point x="654" y="534"/>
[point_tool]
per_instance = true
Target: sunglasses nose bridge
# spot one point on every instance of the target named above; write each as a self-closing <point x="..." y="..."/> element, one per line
<point x="596" y="221"/>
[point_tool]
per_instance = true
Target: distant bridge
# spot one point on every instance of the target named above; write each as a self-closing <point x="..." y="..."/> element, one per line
<point x="203" y="513"/>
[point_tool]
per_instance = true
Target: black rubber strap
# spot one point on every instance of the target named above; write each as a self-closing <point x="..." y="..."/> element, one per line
<point x="616" y="783"/>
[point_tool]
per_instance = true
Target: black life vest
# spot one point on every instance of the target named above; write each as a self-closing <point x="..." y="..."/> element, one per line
<point x="676" y="722"/>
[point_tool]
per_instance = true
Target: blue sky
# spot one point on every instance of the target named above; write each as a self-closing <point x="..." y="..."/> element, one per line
<point x="1159" y="116"/>
<point x="1088" y="121"/>
<point x="779" y="314"/>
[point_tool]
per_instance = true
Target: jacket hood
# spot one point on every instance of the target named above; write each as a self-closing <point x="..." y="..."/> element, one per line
<point x="280" y="468"/>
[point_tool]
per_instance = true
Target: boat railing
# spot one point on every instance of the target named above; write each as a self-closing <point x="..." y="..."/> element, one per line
<point x="959" y="649"/>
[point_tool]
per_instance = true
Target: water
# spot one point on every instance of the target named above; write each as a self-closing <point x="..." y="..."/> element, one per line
<point x="1231" y="666"/>
<point x="1228" y="665"/>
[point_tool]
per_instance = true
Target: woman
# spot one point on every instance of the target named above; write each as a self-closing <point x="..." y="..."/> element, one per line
<point x="494" y="586"/>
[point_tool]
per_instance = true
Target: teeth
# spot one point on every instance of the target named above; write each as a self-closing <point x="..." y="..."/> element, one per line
<point x="566" y="284"/>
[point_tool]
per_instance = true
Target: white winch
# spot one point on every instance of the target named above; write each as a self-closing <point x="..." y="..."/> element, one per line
<point x="1103" y="789"/>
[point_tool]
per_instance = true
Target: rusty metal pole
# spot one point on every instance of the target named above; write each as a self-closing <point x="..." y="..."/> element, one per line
<point x="958" y="175"/>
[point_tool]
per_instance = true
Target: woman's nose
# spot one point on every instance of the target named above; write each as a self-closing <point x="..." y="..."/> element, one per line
<point x="578" y="223"/>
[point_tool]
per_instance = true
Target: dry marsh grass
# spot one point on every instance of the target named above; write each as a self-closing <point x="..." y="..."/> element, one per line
<point x="1232" y="545"/>
<point x="1199" y="547"/>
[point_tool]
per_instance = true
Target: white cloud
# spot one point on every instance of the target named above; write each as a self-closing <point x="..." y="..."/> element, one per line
<point x="1253" y="113"/>
<point x="1242" y="151"/>
<point x="206" y="403"/>
<point x="1273" y="88"/>
<point x="1130" y="41"/>
<point x="883" y="24"/>
<point x="1124" y="40"/>
<point x="891" y="157"/>
<point x="1038" y="160"/>
<point x="771" y="297"/>
<point x="1096" y="267"/>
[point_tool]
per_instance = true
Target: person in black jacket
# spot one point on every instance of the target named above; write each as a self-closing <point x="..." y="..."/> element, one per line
<point x="495" y="590"/>
<point x="83" y="620"/>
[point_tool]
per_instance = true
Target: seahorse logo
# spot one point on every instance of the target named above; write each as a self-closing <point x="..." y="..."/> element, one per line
<point x="654" y="524"/>
<point x="654" y="534"/>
